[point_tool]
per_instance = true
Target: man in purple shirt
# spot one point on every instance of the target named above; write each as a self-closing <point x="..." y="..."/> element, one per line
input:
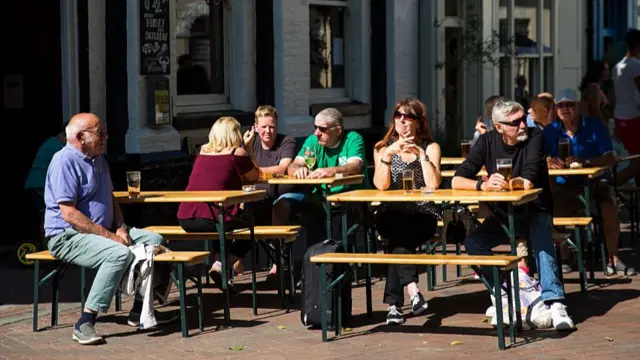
<point x="84" y="224"/>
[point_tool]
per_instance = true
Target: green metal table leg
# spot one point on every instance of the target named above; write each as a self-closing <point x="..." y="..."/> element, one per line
<point x="279" y="244"/>
<point x="327" y="209"/>
<point x="497" y="288"/>
<point x="581" y="270"/>
<point x="458" y="267"/>
<point x="183" y="305"/>
<point x="200" y="310"/>
<point x="254" y="269"/>
<point x="511" y="231"/>
<point x="208" y="245"/>
<point x="338" y="314"/>
<point x="36" y="288"/>
<point x="367" y="240"/>
<point x="512" y="314"/>
<point x="292" y="284"/>
<point x="444" y="267"/>
<point x="323" y="302"/>
<point x="586" y="200"/>
<point x="223" y="261"/>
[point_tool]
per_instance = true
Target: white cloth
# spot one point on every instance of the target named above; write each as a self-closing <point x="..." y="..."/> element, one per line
<point x="138" y="281"/>
<point x="627" y="94"/>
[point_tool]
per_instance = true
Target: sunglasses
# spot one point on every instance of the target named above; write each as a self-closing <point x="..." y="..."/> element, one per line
<point x="399" y="115"/>
<point x="99" y="133"/>
<point x="323" y="129"/>
<point x="515" y="122"/>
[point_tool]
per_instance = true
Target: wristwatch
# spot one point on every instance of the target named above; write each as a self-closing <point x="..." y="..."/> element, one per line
<point x="426" y="158"/>
<point x="479" y="185"/>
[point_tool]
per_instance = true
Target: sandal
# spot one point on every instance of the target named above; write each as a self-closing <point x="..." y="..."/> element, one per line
<point x="620" y="269"/>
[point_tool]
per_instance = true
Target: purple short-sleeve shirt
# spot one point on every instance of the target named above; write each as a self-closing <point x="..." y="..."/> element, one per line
<point x="74" y="177"/>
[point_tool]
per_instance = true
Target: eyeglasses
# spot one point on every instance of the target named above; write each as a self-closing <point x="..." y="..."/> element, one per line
<point x="324" y="129"/>
<point x="515" y="122"/>
<point x="99" y="133"/>
<point x="399" y="115"/>
<point x="565" y="105"/>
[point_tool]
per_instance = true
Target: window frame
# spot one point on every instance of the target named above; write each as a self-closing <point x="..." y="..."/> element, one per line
<point x="333" y="95"/>
<point x="198" y="103"/>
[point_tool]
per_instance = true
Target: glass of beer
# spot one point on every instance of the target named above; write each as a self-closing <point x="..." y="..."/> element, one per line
<point x="465" y="147"/>
<point x="309" y="157"/>
<point x="133" y="184"/>
<point x="407" y="182"/>
<point x="504" y="167"/>
<point x="564" y="148"/>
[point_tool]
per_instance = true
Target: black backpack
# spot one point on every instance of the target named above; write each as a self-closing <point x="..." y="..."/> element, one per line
<point x="311" y="292"/>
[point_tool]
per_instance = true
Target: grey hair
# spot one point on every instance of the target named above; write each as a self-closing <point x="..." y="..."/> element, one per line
<point x="504" y="108"/>
<point x="333" y="116"/>
<point x="74" y="127"/>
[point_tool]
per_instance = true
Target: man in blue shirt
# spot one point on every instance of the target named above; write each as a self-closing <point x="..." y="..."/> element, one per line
<point x="84" y="224"/>
<point x="589" y="145"/>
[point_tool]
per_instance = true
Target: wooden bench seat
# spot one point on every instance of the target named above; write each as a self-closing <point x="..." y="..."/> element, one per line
<point x="286" y="232"/>
<point x="502" y="266"/>
<point x="179" y="258"/>
<point x="557" y="221"/>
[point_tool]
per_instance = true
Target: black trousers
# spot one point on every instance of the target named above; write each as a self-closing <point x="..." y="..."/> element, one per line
<point x="405" y="231"/>
<point x="238" y="248"/>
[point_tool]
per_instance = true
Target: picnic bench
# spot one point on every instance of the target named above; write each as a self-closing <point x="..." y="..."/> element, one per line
<point x="178" y="258"/>
<point x="501" y="266"/>
<point x="285" y="235"/>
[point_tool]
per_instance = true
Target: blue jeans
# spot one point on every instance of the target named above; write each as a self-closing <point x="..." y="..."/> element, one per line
<point x="538" y="230"/>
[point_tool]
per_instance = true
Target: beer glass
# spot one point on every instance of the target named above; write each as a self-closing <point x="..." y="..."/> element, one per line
<point x="504" y="166"/>
<point x="309" y="157"/>
<point x="133" y="184"/>
<point x="465" y="147"/>
<point x="407" y="182"/>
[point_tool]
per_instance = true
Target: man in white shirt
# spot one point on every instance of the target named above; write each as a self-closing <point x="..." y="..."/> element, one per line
<point x="626" y="82"/>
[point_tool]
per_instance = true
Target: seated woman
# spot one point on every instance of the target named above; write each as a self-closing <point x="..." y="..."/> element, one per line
<point x="407" y="145"/>
<point x="221" y="164"/>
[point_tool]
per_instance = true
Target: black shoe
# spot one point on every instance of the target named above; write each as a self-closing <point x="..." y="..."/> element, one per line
<point x="161" y="318"/>
<point x="395" y="316"/>
<point x="418" y="304"/>
<point x="86" y="334"/>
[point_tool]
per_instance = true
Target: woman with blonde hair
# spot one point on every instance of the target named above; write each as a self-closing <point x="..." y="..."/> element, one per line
<point x="222" y="164"/>
<point x="407" y="145"/>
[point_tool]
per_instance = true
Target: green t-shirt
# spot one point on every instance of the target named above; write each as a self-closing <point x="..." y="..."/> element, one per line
<point x="38" y="172"/>
<point x="352" y="146"/>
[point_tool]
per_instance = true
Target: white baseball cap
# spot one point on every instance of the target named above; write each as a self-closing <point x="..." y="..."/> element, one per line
<point x="567" y="95"/>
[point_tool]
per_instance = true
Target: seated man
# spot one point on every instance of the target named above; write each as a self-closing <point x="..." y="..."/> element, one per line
<point x="512" y="139"/>
<point x="541" y="112"/>
<point x="274" y="153"/>
<point x="590" y="145"/>
<point x="336" y="152"/>
<point x="84" y="224"/>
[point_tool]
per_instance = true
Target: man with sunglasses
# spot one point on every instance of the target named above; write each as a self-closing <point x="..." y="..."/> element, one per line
<point x="84" y="225"/>
<point x="512" y="139"/>
<point x="590" y="145"/>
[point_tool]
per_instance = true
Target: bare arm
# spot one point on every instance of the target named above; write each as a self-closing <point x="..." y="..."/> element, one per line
<point x="594" y="99"/>
<point x="382" y="173"/>
<point x="281" y="168"/>
<point x="431" y="168"/>
<point x="296" y="164"/>
<point x="462" y="183"/>
<point x="118" y="218"/>
<point x="82" y="223"/>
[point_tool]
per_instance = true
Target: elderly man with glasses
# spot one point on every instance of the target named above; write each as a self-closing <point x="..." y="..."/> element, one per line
<point x="513" y="140"/>
<point x="589" y="145"/>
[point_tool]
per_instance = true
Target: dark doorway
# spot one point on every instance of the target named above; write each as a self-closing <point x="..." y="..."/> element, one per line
<point x="378" y="63"/>
<point x="32" y="95"/>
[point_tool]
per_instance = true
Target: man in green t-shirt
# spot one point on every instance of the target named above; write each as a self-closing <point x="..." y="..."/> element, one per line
<point x="336" y="152"/>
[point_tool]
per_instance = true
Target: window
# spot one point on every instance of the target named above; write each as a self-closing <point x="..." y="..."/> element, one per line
<point x="327" y="49"/>
<point x="201" y="53"/>
<point x="529" y="45"/>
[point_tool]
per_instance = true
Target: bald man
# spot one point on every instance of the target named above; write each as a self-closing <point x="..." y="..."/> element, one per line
<point x="84" y="224"/>
<point x="541" y="112"/>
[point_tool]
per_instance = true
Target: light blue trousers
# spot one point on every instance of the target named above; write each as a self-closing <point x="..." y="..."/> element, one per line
<point x="109" y="257"/>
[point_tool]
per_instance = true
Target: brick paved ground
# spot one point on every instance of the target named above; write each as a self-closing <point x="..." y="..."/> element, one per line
<point x="607" y="316"/>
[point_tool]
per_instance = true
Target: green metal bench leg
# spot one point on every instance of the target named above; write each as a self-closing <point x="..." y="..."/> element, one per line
<point x="292" y="285"/>
<point x="200" y="310"/>
<point x="581" y="270"/>
<point x="254" y="269"/>
<point x="338" y="322"/>
<point x="183" y="305"/>
<point x="118" y="301"/>
<point x="458" y="267"/>
<point x="323" y="302"/>
<point x="279" y="244"/>
<point x="36" y="288"/>
<point x="512" y="314"/>
<point x="207" y="247"/>
<point x="83" y="285"/>
<point x="497" y="288"/>
<point x="55" y="296"/>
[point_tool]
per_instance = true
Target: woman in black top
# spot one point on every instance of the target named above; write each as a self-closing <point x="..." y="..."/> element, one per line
<point x="407" y="145"/>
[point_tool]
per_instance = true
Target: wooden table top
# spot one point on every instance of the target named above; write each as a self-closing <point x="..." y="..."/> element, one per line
<point x="591" y="172"/>
<point x="220" y="197"/>
<point x="331" y="181"/>
<point x="439" y="195"/>
<point x="451" y="160"/>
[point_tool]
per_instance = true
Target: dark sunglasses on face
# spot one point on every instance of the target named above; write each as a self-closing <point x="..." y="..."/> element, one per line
<point x="398" y="115"/>
<point x="515" y="122"/>
<point x="323" y="129"/>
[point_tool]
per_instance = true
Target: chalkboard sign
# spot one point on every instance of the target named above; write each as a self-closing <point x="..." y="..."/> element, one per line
<point x="154" y="37"/>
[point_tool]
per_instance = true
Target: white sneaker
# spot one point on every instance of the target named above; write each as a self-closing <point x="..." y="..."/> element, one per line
<point x="560" y="317"/>
<point x="491" y="311"/>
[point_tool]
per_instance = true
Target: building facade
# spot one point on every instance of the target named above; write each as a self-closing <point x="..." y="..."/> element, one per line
<point x="188" y="62"/>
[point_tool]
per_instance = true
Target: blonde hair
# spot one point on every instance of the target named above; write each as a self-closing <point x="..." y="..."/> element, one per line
<point x="266" y="110"/>
<point x="225" y="134"/>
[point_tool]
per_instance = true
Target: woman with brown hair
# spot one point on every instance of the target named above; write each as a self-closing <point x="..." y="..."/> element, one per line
<point x="407" y="145"/>
<point x="222" y="164"/>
